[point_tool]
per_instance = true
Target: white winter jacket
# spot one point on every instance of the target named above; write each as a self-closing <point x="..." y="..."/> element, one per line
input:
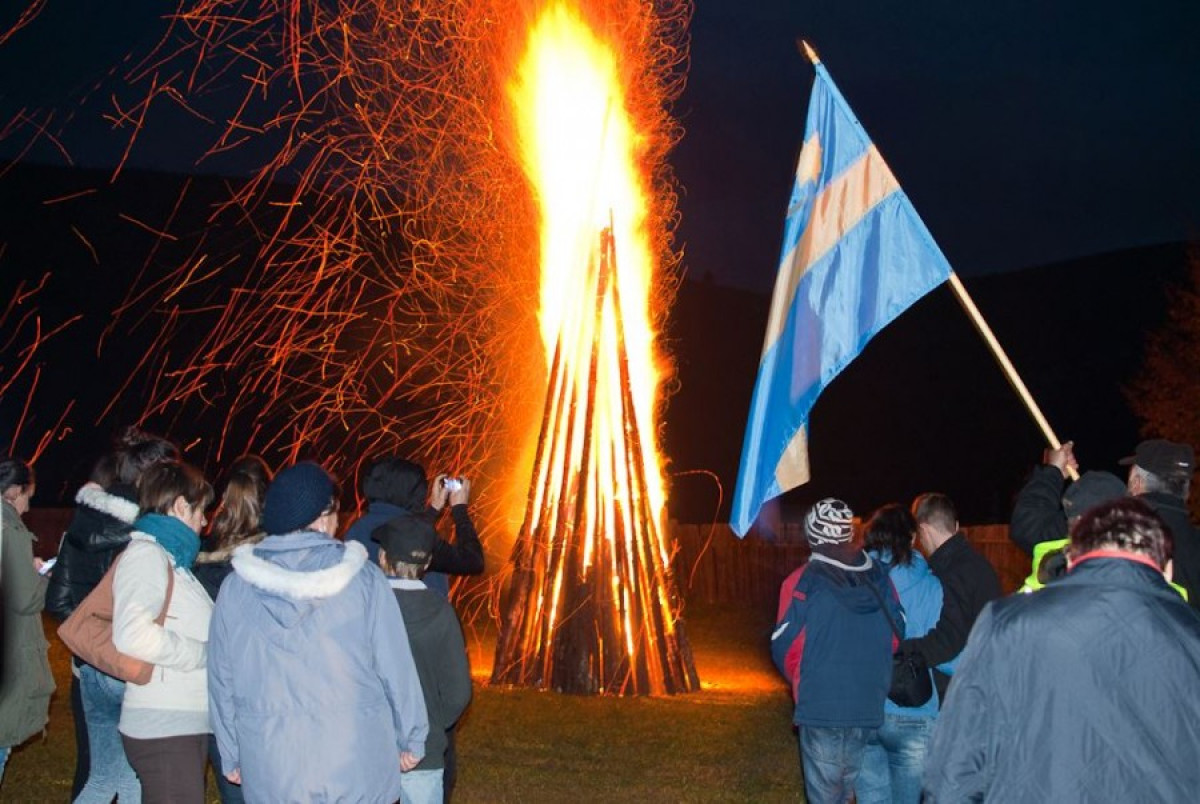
<point x="175" y="701"/>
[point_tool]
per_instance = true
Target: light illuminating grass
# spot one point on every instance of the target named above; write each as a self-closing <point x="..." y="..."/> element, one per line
<point x="730" y="742"/>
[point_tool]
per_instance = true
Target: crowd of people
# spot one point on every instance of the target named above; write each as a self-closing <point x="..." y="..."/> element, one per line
<point x="267" y="634"/>
<point x="913" y="677"/>
<point x="1083" y="686"/>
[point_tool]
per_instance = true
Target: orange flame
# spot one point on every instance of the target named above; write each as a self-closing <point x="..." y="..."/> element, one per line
<point x="579" y="149"/>
<point x="593" y="606"/>
<point x="378" y="298"/>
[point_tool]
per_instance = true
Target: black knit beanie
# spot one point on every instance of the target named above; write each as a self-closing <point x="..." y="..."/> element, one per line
<point x="296" y="498"/>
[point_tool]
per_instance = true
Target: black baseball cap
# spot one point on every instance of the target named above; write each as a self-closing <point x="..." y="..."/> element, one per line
<point x="1163" y="458"/>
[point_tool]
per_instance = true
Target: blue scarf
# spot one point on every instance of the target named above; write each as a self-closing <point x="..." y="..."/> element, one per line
<point x="173" y="535"/>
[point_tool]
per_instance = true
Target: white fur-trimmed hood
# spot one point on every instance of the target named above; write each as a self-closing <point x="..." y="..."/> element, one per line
<point x="298" y="585"/>
<point x="96" y="498"/>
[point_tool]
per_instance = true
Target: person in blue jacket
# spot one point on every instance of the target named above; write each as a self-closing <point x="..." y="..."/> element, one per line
<point x="895" y="758"/>
<point x="313" y="690"/>
<point x="833" y="643"/>
<point x="1086" y="690"/>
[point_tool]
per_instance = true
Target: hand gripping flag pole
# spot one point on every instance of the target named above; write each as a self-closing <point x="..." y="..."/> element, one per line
<point x="855" y="256"/>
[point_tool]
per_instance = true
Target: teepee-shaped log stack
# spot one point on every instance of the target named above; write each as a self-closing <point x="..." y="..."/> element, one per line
<point x="592" y="606"/>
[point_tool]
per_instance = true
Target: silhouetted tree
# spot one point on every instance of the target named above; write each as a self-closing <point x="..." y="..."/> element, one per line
<point x="1165" y="394"/>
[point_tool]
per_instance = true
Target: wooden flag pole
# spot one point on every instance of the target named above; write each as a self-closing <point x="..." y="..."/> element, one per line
<point x="968" y="304"/>
<point x="1010" y="371"/>
<point x="807" y="49"/>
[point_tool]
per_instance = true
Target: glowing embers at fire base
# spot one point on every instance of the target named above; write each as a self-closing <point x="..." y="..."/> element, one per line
<point x="592" y="605"/>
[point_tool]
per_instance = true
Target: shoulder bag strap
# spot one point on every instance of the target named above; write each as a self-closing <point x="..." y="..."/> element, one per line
<point x="884" y="608"/>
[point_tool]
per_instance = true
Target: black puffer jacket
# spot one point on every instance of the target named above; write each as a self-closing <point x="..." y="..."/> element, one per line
<point x="1174" y="512"/>
<point x="1038" y="514"/>
<point x="97" y="534"/>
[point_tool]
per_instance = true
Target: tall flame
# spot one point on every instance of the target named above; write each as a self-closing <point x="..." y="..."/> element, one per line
<point x="593" y="606"/>
<point x="579" y="149"/>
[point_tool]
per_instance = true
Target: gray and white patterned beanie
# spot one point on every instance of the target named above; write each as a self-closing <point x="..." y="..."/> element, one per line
<point x="829" y="521"/>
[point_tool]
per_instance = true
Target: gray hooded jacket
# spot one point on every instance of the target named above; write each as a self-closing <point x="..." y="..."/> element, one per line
<point x="312" y="686"/>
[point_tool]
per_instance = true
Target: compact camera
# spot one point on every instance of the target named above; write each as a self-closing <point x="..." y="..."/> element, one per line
<point x="452" y="483"/>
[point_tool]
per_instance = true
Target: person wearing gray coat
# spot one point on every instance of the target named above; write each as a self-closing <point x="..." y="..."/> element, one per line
<point x="26" y="683"/>
<point x="313" y="691"/>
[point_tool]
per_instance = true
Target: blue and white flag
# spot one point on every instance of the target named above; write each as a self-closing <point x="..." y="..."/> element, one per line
<point x="855" y="256"/>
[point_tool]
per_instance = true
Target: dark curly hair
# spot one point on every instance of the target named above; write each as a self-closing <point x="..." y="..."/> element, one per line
<point x="14" y="472"/>
<point x="136" y="451"/>
<point x="1127" y="524"/>
<point x="890" y="529"/>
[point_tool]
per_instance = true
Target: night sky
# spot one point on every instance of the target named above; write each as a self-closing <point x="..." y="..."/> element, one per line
<point x="1025" y="132"/>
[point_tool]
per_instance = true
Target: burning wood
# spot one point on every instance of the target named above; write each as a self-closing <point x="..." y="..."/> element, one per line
<point x="592" y="607"/>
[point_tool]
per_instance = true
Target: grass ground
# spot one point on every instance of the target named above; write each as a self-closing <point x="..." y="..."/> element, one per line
<point x="729" y="742"/>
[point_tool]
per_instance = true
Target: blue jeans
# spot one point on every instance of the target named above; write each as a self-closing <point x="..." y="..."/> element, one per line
<point x="894" y="761"/>
<point x="831" y="758"/>
<point x="421" y="787"/>
<point x="110" y="773"/>
<point x="3" y="760"/>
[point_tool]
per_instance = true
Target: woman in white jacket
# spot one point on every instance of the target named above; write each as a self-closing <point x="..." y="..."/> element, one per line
<point x="164" y="723"/>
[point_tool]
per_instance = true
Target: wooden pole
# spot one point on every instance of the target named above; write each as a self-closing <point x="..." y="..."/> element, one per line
<point x="807" y="49"/>
<point x="980" y="324"/>
<point x="1010" y="371"/>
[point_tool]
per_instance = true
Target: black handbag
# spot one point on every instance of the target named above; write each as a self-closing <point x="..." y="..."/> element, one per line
<point x="912" y="683"/>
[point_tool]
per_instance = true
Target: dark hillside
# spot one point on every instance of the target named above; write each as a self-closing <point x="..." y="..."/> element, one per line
<point x="926" y="406"/>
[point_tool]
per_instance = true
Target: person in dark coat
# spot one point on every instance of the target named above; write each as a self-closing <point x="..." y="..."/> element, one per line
<point x="406" y="548"/>
<point x="1043" y="512"/>
<point x="395" y="487"/>
<point x="1038" y="515"/>
<point x="969" y="582"/>
<point x="1086" y="690"/>
<point x="1160" y="474"/>
<point x="833" y="643"/>
<point x="98" y="531"/>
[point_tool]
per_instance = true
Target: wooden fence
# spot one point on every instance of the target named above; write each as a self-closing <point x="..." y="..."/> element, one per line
<point x="712" y="566"/>
<point x="48" y="525"/>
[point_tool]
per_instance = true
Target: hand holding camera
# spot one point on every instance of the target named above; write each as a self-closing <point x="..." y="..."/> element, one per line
<point x="455" y="490"/>
<point x="459" y="489"/>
